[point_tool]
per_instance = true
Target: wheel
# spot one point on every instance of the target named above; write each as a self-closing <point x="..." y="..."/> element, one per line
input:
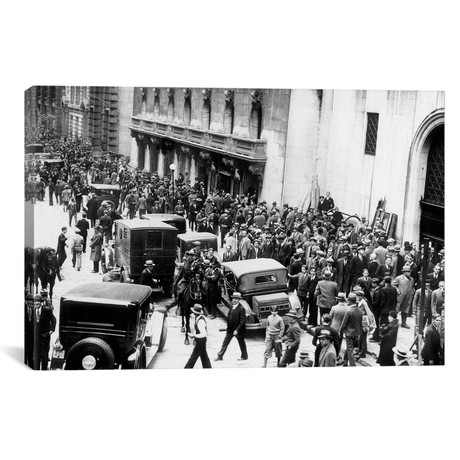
<point x="139" y="362"/>
<point x="164" y="335"/>
<point x="90" y="353"/>
<point x="123" y="277"/>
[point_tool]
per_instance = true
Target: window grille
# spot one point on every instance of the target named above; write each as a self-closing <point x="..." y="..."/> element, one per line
<point x="371" y="133"/>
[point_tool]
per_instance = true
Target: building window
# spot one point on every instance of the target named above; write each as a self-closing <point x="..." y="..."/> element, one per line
<point x="206" y="116"/>
<point x="187" y="112"/>
<point x="77" y="95"/>
<point x="255" y="121"/>
<point x="371" y="133"/>
<point x="228" y="118"/>
<point x="72" y="94"/>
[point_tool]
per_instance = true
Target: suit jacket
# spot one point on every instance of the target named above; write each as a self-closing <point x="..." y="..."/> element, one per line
<point x="236" y="320"/>
<point x="253" y="254"/>
<point x="357" y="267"/>
<point x="229" y="256"/>
<point x="352" y="324"/>
<point x="326" y="292"/>
<point x="244" y="248"/>
<point x="432" y="349"/>
<point x="343" y="275"/>
<point x="389" y="299"/>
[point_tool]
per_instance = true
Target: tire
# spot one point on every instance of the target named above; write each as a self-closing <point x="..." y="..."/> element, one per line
<point x="139" y="362"/>
<point x="164" y="335"/>
<point x="90" y="353"/>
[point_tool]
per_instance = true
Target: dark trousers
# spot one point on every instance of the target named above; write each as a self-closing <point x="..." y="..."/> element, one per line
<point x="93" y="222"/>
<point x="228" y="338"/>
<point x="223" y="232"/>
<point x="62" y="256"/>
<point x="50" y="194"/>
<point x="78" y="201"/>
<point x="191" y="224"/>
<point x="96" y="266"/>
<point x="349" y="355"/>
<point x="376" y="334"/>
<point x="44" y="352"/>
<point x="288" y="357"/>
<point x="56" y="194"/>
<point x="72" y="216"/>
<point x="199" y="351"/>
<point x="313" y="309"/>
<point x="303" y="304"/>
<point x="212" y="298"/>
<point x="363" y="344"/>
<point x="84" y="241"/>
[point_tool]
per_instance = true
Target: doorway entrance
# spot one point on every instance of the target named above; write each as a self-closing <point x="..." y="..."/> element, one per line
<point x="432" y="202"/>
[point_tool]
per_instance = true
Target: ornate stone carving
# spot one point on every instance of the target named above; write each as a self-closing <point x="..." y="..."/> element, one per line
<point x="205" y="155"/>
<point x="256" y="96"/>
<point x="143" y="92"/>
<point x="185" y="149"/>
<point x="229" y="162"/>
<point x="187" y="93"/>
<point x="206" y="94"/>
<point x="229" y="95"/>
<point x="256" y="169"/>
<point x="170" y="92"/>
<point x="154" y="140"/>
<point x="156" y="92"/>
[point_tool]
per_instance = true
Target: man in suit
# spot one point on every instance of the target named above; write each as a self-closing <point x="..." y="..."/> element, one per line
<point x="431" y="352"/>
<point x="358" y="264"/>
<point x="326" y="293"/>
<point x="44" y="324"/>
<point x="344" y="272"/>
<point x="405" y="287"/>
<point x="61" y="254"/>
<point x="437" y="299"/>
<point x="351" y="328"/>
<point x="235" y="328"/>
<point x="229" y="255"/>
<point x="291" y="339"/>
<point x="244" y="246"/>
<point x="255" y="252"/>
<point x="435" y="277"/>
<point x="386" y="269"/>
<point x="83" y="225"/>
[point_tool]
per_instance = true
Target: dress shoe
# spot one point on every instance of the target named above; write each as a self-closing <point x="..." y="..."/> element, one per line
<point x="242" y="359"/>
<point x="405" y="326"/>
<point x="219" y="358"/>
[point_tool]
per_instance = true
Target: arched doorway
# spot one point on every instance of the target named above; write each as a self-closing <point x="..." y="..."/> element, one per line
<point x="424" y="202"/>
<point x="432" y="202"/>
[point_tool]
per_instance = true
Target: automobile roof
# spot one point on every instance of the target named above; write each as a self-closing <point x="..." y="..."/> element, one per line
<point x="164" y="217"/>
<point x="243" y="267"/>
<point x="105" y="186"/>
<point x="111" y="293"/>
<point x="196" y="236"/>
<point x="134" y="224"/>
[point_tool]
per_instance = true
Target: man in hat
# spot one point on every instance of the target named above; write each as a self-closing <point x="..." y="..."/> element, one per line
<point x="83" y="226"/>
<point x="368" y="322"/>
<point x="337" y="314"/>
<point x="344" y="271"/>
<point x="388" y="338"/>
<point x="212" y="275"/>
<point x="426" y="308"/>
<point x="77" y="249"/>
<point x="96" y="248"/>
<point x="244" y="246"/>
<point x="235" y="328"/>
<point x="351" y="328"/>
<point x="402" y="357"/>
<point x="431" y="351"/>
<point x="358" y="264"/>
<point x="44" y="324"/>
<point x="304" y="359"/>
<point x="325" y="326"/>
<point x="291" y="339"/>
<point x="200" y="335"/>
<point x="229" y="255"/>
<point x="273" y="334"/>
<point x="326" y="293"/>
<point x="405" y="288"/>
<point x="146" y="278"/>
<point x="328" y="353"/>
<point x="60" y="250"/>
<point x="294" y="269"/>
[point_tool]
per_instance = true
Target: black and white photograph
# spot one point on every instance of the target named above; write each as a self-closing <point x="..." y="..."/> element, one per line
<point x="306" y="224"/>
<point x="201" y="200"/>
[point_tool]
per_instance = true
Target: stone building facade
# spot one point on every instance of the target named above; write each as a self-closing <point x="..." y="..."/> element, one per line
<point x="290" y="145"/>
<point x="232" y="139"/>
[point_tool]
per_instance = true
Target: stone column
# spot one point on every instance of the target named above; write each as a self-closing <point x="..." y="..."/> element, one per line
<point x="176" y="162"/>
<point x="161" y="163"/>
<point x="147" y="157"/>
<point x="134" y="153"/>
<point x="192" y="169"/>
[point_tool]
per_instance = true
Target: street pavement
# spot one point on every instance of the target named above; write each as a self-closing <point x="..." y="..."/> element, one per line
<point x="48" y="221"/>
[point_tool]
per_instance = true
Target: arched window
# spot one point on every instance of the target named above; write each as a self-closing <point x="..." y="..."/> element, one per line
<point x="171" y="109"/>
<point x="255" y="121"/>
<point x="228" y="118"/>
<point x="187" y="112"/>
<point x="206" y="116"/>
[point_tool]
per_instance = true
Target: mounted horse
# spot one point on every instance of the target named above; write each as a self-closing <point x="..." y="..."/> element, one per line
<point x="47" y="268"/>
<point x="189" y="292"/>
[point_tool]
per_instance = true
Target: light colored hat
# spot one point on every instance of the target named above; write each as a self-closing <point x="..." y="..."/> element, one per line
<point x="149" y="263"/>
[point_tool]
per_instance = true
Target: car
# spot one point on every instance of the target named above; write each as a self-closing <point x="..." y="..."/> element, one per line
<point x="106" y="192"/>
<point x="139" y="240"/>
<point x="262" y="284"/>
<point x="172" y="219"/>
<point x="185" y="243"/>
<point x="107" y="326"/>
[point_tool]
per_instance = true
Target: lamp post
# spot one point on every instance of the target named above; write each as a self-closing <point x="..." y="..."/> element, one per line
<point x="172" y="167"/>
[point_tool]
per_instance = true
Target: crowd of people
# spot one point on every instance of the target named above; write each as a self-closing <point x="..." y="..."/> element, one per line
<point x="351" y="277"/>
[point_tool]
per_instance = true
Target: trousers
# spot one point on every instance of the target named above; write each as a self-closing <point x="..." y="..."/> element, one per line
<point x="199" y="351"/>
<point x="228" y="338"/>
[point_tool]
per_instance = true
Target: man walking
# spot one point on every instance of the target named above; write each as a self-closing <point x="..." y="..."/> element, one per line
<point x="292" y="339"/>
<point x="351" y="327"/>
<point x="83" y="226"/>
<point x="77" y="249"/>
<point x="61" y="254"/>
<point x="326" y="293"/>
<point x="235" y="328"/>
<point x="200" y="336"/>
<point x="405" y="287"/>
<point x="273" y="334"/>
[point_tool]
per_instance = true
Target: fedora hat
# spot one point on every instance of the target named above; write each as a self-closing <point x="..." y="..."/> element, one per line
<point x="324" y="334"/>
<point x="401" y="352"/>
<point x="292" y="314"/>
<point x="149" y="263"/>
<point x="406" y="268"/>
<point x="359" y="292"/>
<point x="197" y="309"/>
<point x="237" y="295"/>
<point x="352" y="296"/>
<point x="341" y="296"/>
<point x="327" y="274"/>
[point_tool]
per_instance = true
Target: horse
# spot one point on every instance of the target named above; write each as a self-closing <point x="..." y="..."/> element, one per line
<point x="190" y="291"/>
<point x="47" y="268"/>
<point x="30" y="271"/>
